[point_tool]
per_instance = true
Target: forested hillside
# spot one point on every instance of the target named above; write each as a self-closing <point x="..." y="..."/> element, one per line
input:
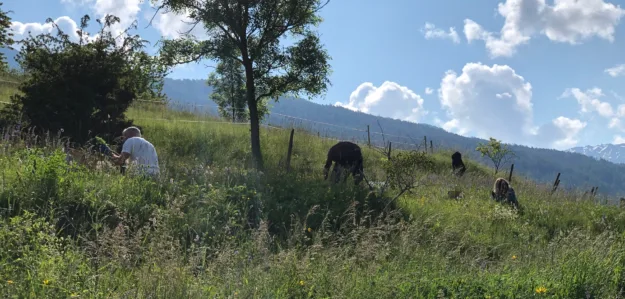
<point x="577" y="170"/>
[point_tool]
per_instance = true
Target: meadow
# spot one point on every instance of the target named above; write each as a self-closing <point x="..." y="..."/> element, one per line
<point x="210" y="227"/>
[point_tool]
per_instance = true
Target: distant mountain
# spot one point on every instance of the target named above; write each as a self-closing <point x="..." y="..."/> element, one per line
<point x="614" y="153"/>
<point x="542" y="165"/>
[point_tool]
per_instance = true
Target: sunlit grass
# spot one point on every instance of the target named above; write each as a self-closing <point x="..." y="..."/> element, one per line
<point x="211" y="227"/>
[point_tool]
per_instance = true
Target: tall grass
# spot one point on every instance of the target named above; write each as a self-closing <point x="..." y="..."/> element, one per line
<point x="210" y="227"/>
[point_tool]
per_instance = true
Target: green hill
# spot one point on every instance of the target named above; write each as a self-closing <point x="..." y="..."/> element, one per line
<point x="212" y="228"/>
<point x="542" y="165"/>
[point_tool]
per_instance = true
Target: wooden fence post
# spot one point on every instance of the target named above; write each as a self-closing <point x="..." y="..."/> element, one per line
<point x="431" y="146"/>
<point x="288" y="155"/>
<point x="368" y="136"/>
<point x="510" y="175"/>
<point x="556" y="183"/>
<point x="389" y="150"/>
<point x="425" y="143"/>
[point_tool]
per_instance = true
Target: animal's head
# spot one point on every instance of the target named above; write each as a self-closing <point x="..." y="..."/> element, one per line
<point x="501" y="187"/>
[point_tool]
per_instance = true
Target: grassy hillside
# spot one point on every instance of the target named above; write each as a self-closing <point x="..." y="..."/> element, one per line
<point x="578" y="171"/>
<point x="212" y="228"/>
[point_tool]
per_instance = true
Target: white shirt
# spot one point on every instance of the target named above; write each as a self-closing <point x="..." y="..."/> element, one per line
<point x="142" y="154"/>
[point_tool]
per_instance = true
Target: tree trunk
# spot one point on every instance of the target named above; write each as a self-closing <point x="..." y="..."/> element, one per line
<point x="254" y="122"/>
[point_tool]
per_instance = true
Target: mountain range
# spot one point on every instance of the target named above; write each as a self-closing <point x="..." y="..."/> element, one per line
<point x="614" y="153"/>
<point x="580" y="168"/>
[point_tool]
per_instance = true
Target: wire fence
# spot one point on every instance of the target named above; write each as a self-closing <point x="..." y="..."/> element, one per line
<point x="325" y="130"/>
<point x="276" y="120"/>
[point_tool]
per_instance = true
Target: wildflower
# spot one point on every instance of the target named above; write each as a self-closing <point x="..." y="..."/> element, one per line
<point x="514" y="257"/>
<point x="236" y="293"/>
<point x="310" y="230"/>
<point x="10" y="281"/>
<point x="541" y="290"/>
<point x="73" y="295"/>
<point x="46" y="282"/>
<point x="301" y="282"/>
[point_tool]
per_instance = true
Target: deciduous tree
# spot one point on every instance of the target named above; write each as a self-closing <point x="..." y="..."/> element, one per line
<point x="83" y="87"/>
<point x="228" y="82"/>
<point x="499" y="153"/>
<point x="251" y="32"/>
<point x="6" y="36"/>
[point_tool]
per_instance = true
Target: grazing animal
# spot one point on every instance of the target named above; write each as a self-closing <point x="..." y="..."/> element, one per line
<point x="346" y="156"/>
<point x="503" y="192"/>
<point x="457" y="165"/>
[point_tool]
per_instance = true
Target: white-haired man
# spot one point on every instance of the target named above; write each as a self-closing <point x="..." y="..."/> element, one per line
<point x="142" y="154"/>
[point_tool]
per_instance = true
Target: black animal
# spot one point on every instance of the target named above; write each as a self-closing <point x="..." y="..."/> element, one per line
<point x="503" y="192"/>
<point x="457" y="166"/>
<point x="346" y="156"/>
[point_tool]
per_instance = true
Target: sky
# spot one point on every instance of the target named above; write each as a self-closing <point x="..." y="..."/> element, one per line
<point x="542" y="73"/>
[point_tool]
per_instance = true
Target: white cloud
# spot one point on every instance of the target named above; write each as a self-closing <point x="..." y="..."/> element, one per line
<point x="589" y="101"/>
<point x="568" y="129"/>
<point x="503" y="95"/>
<point x="173" y="25"/>
<point x="566" y="21"/>
<point x="67" y="25"/>
<point x="617" y="70"/>
<point x="430" y="32"/>
<point x="429" y="90"/>
<point x="494" y="101"/>
<point x="618" y="139"/>
<point x="470" y="95"/>
<point x="388" y="100"/>
<point x="126" y="10"/>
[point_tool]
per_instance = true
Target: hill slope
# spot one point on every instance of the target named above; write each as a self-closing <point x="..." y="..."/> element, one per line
<point x="208" y="228"/>
<point x="577" y="170"/>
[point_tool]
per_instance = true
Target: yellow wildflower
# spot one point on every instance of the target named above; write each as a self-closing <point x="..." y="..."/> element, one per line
<point x="46" y="282"/>
<point x="73" y="295"/>
<point x="310" y="230"/>
<point x="236" y="293"/>
<point x="301" y="282"/>
<point x="541" y="290"/>
<point x="10" y="281"/>
<point x="514" y="257"/>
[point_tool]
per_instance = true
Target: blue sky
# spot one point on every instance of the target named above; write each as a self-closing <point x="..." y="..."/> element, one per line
<point x="536" y="72"/>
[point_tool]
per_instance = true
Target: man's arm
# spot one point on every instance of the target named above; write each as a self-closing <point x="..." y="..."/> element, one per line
<point x="120" y="159"/>
<point x="125" y="154"/>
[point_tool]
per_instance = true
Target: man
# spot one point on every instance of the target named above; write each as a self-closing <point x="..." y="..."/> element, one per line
<point x="142" y="155"/>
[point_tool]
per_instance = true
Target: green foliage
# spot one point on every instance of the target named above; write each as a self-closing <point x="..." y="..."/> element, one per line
<point x="498" y="153"/>
<point x="6" y="35"/>
<point x="250" y="33"/>
<point x="228" y="82"/>
<point x="83" y="88"/>
<point x="405" y="170"/>
<point x="210" y="228"/>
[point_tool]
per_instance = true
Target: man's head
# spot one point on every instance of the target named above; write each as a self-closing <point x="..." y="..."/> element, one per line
<point x="131" y="132"/>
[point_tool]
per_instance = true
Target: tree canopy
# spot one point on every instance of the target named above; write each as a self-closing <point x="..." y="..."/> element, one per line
<point x="497" y="152"/>
<point x="228" y="82"/>
<point x="83" y="88"/>
<point x="251" y="32"/>
<point x="6" y="36"/>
